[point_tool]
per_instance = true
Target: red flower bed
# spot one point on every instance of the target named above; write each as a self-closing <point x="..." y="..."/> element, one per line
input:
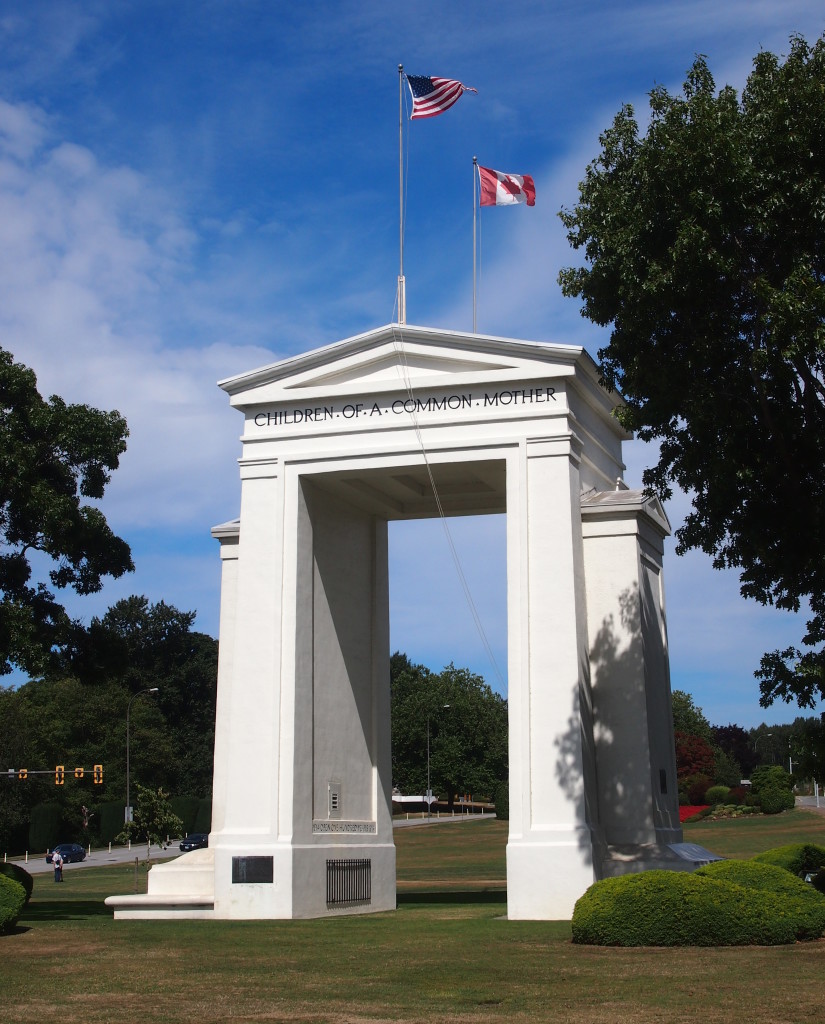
<point x="689" y="810"/>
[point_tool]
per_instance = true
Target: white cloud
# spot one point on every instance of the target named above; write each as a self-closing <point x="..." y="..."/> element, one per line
<point x="93" y="260"/>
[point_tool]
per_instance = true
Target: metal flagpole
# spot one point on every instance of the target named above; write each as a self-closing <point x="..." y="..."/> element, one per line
<point x="475" y="247"/>
<point x="402" y="290"/>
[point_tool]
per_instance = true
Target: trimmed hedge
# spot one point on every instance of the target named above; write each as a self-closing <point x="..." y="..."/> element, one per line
<point x="774" y="800"/>
<point x="203" y="819"/>
<point x="186" y="808"/>
<point x="718" y="795"/>
<point x="12" y="901"/>
<point x="110" y="820"/>
<point x="675" y="908"/>
<point x="19" y="875"/>
<point x="798" y="858"/>
<point x="45" y="826"/>
<point x="501" y="799"/>
<point x="800" y="901"/>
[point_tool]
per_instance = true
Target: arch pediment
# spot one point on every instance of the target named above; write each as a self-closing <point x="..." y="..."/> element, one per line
<point x="392" y="357"/>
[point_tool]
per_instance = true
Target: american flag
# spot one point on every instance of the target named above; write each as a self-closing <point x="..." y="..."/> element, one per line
<point x="432" y="96"/>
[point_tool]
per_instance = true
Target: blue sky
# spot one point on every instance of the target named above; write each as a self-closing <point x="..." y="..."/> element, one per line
<point x="189" y="190"/>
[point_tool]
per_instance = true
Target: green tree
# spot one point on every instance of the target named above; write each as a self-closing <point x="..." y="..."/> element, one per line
<point x="80" y="720"/>
<point x="772" y="743"/>
<point x="154" y="820"/>
<point x="769" y="776"/>
<point x="736" y="742"/>
<point x="140" y="645"/>
<point x="808" y="748"/>
<point x="704" y="246"/>
<point x="467" y="730"/>
<point x="727" y="771"/>
<point x="14" y="819"/>
<point x="697" y="750"/>
<point x="52" y="456"/>
<point x="688" y="718"/>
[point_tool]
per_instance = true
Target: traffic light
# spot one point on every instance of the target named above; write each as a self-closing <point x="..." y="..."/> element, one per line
<point x="59" y="773"/>
<point x="78" y="773"/>
<point x="98" y="775"/>
<point x="22" y="773"/>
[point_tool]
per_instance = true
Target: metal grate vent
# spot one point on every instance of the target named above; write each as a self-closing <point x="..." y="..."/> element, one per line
<point x="349" y="882"/>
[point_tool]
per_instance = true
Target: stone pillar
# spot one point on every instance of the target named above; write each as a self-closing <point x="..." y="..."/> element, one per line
<point x="252" y="690"/>
<point x="623" y="544"/>
<point x="341" y="787"/>
<point x="552" y="797"/>
<point x="227" y="535"/>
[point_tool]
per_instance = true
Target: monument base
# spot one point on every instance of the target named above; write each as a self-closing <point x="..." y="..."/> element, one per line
<point x="267" y="883"/>
<point x="627" y="859"/>
<point x="546" y="877"/>
<point x="181" y="888"/>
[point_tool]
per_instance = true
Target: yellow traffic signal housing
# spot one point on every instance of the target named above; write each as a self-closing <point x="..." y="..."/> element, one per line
<point x="59" y="773"/>
<point x="78" y="773"/>
<point x="22" y="773"/>
<point x="98" y="774"/>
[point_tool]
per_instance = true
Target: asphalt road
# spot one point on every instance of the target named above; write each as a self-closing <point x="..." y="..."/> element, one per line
<point x="37" y="865"/>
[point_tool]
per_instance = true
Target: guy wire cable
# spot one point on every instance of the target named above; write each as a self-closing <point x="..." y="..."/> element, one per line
<point x="398" y="345"/>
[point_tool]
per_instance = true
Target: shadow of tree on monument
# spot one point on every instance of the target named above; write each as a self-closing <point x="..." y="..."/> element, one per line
<point x="614" y="783"/>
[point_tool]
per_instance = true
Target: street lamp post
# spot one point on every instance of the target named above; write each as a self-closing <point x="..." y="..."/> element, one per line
<point x="127" y="817"/>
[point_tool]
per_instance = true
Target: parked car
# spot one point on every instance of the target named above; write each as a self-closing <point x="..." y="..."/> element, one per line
<point x="195" y="841"/>
<point x="70" y="852"/>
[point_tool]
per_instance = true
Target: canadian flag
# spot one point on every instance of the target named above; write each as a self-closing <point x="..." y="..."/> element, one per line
<point x="500" y="189"/>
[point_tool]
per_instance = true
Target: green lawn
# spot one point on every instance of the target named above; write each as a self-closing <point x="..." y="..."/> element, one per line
<point x="446" y="956"/>
<point x="745" y="837"/>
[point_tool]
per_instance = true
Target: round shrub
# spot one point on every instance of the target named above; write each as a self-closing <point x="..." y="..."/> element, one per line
<point x="501" y="799"/>
<point x="18" y="874"/>
<point x="717" y="795"/>
<point x="12" y="901"/>
<point x="798" y="858"/>
<point x="800" y="901"/>
<point x="773" y="800"/>
<point x="676" y="908"/>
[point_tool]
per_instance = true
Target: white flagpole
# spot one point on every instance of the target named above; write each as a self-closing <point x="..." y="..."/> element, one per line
<point x="402" y="290"/>
<point x="475" y="246"/>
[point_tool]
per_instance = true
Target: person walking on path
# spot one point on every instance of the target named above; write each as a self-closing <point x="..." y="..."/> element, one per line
<point x="57" y="864"/>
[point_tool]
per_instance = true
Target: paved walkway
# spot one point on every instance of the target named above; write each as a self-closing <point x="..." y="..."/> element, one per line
<point x="808" y="803"/>
<point x="444" y="819"/>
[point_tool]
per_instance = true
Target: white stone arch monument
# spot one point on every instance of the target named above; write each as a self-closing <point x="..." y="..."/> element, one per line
<point x="334" y="447"/>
